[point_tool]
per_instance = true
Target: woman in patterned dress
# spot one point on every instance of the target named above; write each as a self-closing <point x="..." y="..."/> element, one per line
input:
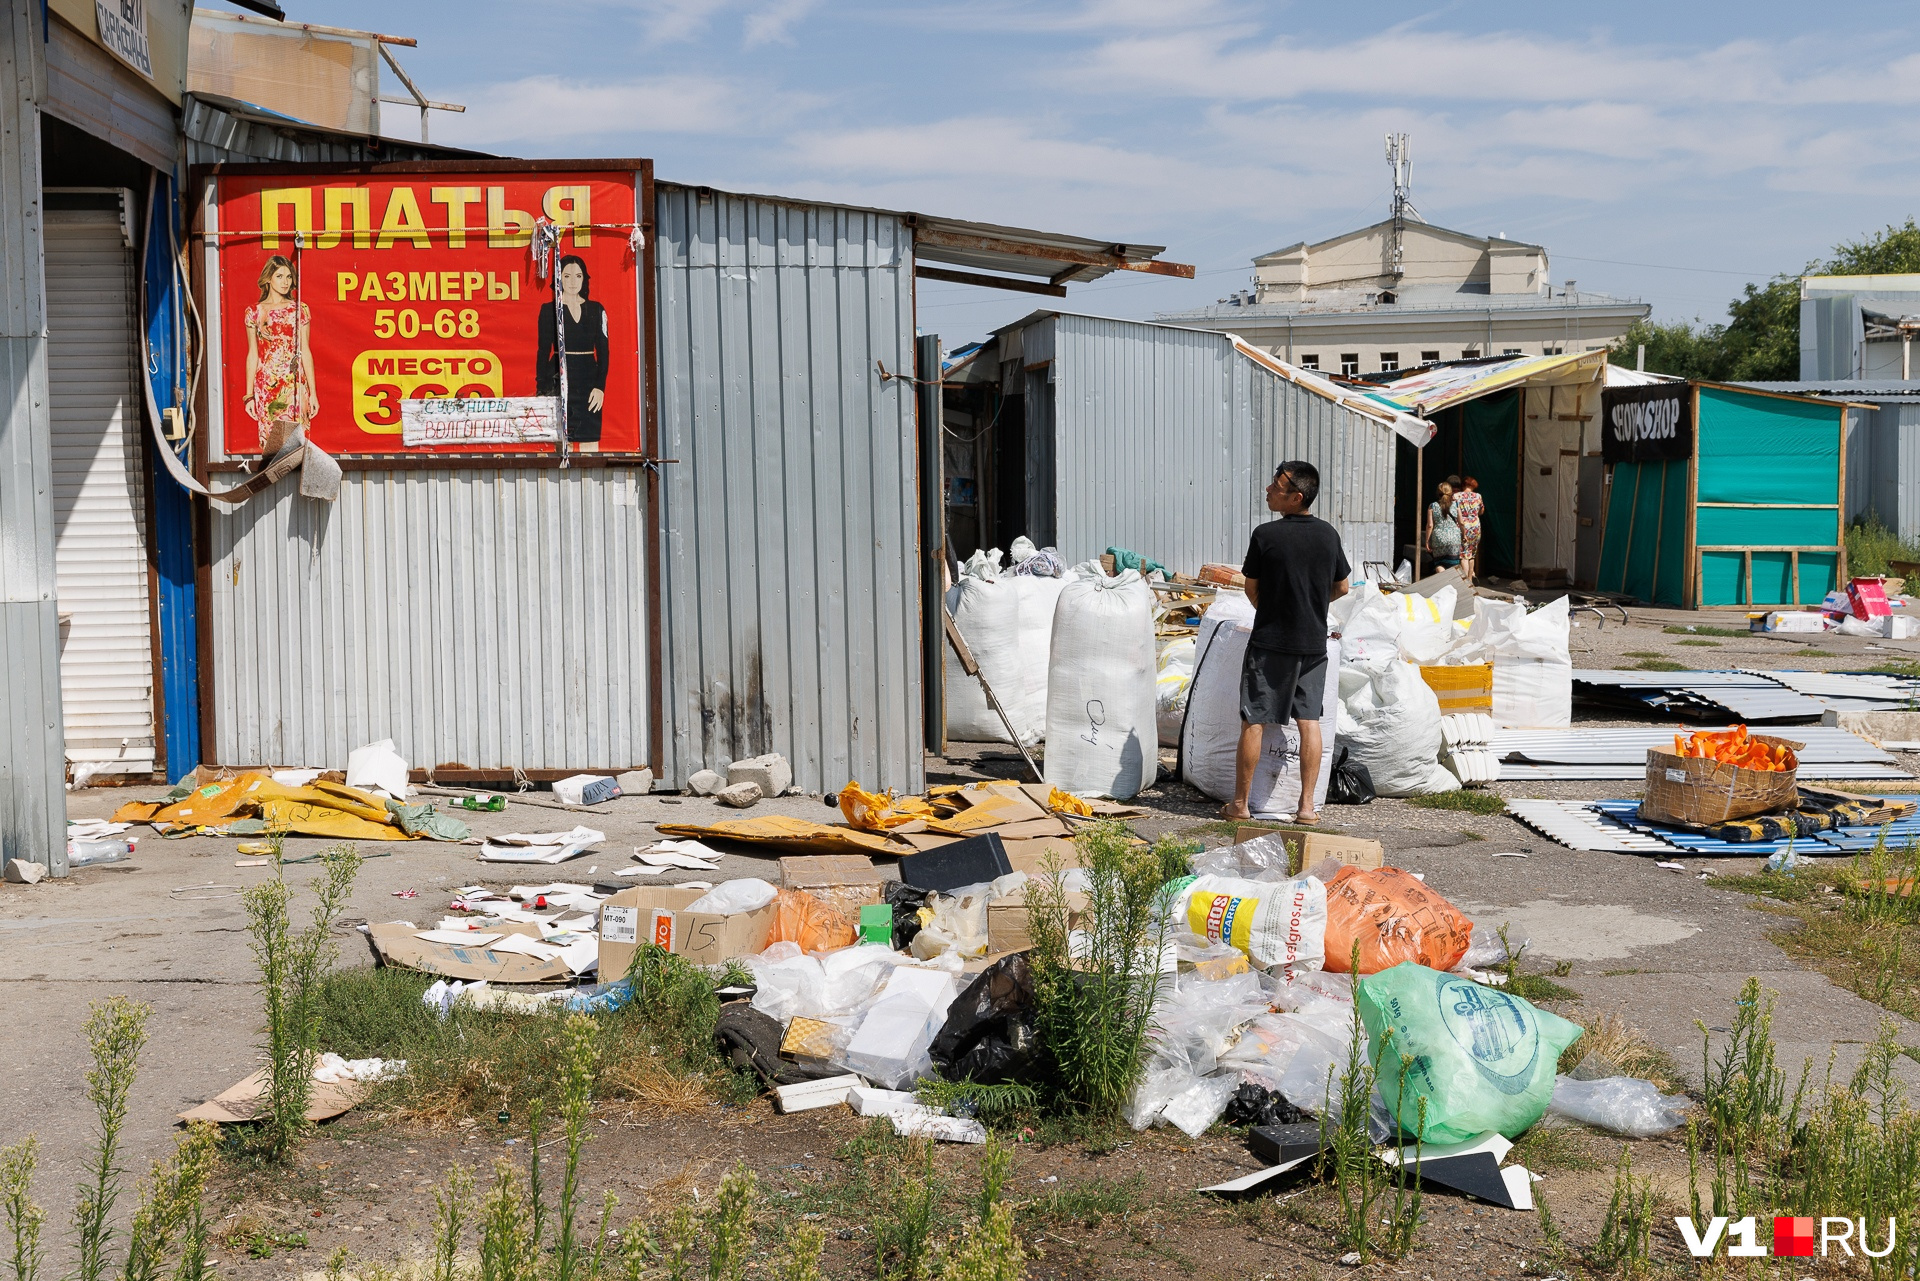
<point x="279" y="360"/>
<point x="1468" y="507"/>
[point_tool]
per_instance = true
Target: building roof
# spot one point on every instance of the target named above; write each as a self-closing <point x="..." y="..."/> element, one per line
<point x="1412" y="300"/>
<point x="1464" y="237"/>
<point x="1842" y="388"/>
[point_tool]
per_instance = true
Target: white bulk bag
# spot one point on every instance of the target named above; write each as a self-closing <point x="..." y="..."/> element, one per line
<point x="1210" y="740"/>
<point x="1102" y="739"/>
<point x="1532" y="668"/>
<point x="1008" y="626"/>
<point x="1390" y="722"/>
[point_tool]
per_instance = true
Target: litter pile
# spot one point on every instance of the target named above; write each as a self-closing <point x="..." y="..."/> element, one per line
<point x="867" y="982"/>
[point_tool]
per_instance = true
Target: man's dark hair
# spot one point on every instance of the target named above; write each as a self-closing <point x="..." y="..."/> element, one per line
<point x="1304" y="477"/>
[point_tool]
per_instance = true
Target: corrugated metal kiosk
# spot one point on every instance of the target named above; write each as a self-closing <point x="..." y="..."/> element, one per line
<point x="1085" y="433"/>
<point x="748" y="581"/>
<point x="1722" y="495"/>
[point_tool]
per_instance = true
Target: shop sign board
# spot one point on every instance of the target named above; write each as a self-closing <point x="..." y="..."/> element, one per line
<point x="1646" y="424"/>
<point x="404" y="312"/>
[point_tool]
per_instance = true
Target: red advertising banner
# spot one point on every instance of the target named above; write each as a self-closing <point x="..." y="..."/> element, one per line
<point x="349" y="302"/>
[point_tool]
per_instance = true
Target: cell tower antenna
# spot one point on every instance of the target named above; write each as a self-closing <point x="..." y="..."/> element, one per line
<point x="1400" y="160"/>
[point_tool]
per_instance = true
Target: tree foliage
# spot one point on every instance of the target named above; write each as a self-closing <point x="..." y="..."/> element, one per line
<point x="1760" y="340"/>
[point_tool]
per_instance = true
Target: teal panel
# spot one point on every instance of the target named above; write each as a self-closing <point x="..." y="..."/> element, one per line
<point x="1720" y="578"/>
<point x="1613" y="542"/>
<point x="1647" y="531"/>
<point x="1490" y="453"/>
<point x="1670" y="583"/>
<point x="1819" y="574"/>
<point x="1767" y="449"/>
<point x="1767" y="527"/>
<point x="1773" y="578"/>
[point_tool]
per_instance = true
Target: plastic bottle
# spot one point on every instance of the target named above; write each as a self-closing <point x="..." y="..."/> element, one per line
<point x="94" y="853"/>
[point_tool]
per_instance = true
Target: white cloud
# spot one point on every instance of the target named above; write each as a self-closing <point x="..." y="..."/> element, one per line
<point x="549" y="108"/>
<point x="773" y="23"/>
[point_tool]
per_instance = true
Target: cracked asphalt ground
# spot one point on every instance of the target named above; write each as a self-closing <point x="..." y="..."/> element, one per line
<point x="1660" y="948"/>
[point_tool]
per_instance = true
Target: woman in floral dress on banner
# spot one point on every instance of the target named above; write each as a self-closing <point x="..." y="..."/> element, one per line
<point x="1468" y="507"/>
<point x="279" y="361"/>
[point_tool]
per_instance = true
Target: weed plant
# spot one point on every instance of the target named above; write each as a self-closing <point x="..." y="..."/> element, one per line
<point x="1871" y="547"/>
<point x="115" y="1034"/>
<point x="21" y="1217"/>
<point x="1626" y="1231"/>
<point x="1362" y="1182"/>
<point x="1094" y="989"/>
<point x="292" y="964"/>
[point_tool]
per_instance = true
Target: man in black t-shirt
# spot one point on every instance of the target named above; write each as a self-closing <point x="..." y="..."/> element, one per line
<point x="1295" y="568"/>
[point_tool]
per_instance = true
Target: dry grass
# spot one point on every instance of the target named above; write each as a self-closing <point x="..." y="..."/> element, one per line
<point x="1627" y="1048"/>
<point x="656" y="1087"/>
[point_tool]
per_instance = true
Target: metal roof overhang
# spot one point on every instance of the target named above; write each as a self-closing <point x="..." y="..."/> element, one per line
<point x="1035" y="262"/>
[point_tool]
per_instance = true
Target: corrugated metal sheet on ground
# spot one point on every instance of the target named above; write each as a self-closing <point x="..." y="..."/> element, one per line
<point x="1870" y="691"/>
<point x="1628" y="812"/>
<point x="1578" y="826"/>
<point x="1593" y="752"/>
<point x="1900" y="834"/>
<point x="1744" y="696"/>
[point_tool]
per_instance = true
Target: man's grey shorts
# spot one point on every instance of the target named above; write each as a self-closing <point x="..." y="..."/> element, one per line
<point x="1276" y="688"/>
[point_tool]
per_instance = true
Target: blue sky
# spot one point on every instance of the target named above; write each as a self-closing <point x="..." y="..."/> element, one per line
<point x="1669" y="152"/>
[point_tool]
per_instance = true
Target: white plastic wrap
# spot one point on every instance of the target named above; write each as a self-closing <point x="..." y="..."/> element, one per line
<point x="1210" y="740"/>
<point x="1198" y="1106"/>
<point x="1102" y="735"/>
<point x="1390" y="722"/>
<point x="748" y="894"/>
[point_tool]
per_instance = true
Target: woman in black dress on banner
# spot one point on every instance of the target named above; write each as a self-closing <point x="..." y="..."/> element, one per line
<point x="587" y="360"/>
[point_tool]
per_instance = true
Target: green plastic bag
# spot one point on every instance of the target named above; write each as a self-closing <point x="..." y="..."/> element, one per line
<point x="1482" y="1058"/>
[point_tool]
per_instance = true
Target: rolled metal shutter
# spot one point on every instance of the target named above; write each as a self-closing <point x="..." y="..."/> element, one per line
<point x="99" y="492"/>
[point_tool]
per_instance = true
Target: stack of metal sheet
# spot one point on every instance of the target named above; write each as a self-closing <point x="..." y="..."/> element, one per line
<point x="1850" y="691"/>
<point x="1628" y="813"/>
<point x="1593" y="752"/>
<point x="1751" y="697"/>
<point x="1579" y="826"/>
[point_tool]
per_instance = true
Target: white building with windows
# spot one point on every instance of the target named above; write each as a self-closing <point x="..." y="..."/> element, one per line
<point x="1403" y="293"/>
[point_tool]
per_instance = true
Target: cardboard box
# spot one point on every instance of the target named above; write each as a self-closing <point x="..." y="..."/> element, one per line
<point x="1308" y="848"/>
<point x="1869" y="598"/>
<point x="1030" y="856"/>
<point x="844" y="882"/>
<point x="1008" y="927"/>
<point x="654" y="914"/>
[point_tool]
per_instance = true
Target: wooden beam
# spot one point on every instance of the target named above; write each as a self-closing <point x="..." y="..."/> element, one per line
<point x="1114" y="259"/>
<point x="989" y="282"/>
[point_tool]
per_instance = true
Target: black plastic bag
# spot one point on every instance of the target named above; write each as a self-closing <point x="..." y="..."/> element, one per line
<point x="1255" y="1105"/>
<point x="1351" y="783"/>
<point x="906" y="902"/>
<point x="989" y="1034"/>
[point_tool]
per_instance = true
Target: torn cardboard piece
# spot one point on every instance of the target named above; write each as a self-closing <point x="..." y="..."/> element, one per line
<point x="338" y="1084"/>
<point x="398" y="943"/>
<point x="780" y="831"/>
<point x="540" y="847"/>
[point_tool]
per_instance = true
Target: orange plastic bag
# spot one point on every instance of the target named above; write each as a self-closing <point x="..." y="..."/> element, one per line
<point x="1395" y="918"/>
<point x="801" y="918"/>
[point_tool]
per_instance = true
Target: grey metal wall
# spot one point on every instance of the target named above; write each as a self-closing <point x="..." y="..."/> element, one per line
<point x="789" y="574"/>
<point x="1883" y="463"/>
<point x="494" y="619"/>
<point x="33" y="807"/>
<point x="1165" y="439"/>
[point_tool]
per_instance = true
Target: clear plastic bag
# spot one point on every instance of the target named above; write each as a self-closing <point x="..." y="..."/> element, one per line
<point x="953" y="923"/>
<point x="805" y="920"/>
<point x="1623" y="1105"/>
<point x="1198" y="1106"/>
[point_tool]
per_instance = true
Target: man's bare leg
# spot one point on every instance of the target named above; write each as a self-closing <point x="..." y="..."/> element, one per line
<point x="1244" y="762"/>
<point x="1310" y="749"/>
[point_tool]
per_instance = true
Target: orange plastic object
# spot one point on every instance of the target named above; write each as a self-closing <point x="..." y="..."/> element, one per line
<point x="1736" y="747"/>
<point x="1395" y="918"/>
<point x="878" y="811"/>
<point x="801" y="918"/>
